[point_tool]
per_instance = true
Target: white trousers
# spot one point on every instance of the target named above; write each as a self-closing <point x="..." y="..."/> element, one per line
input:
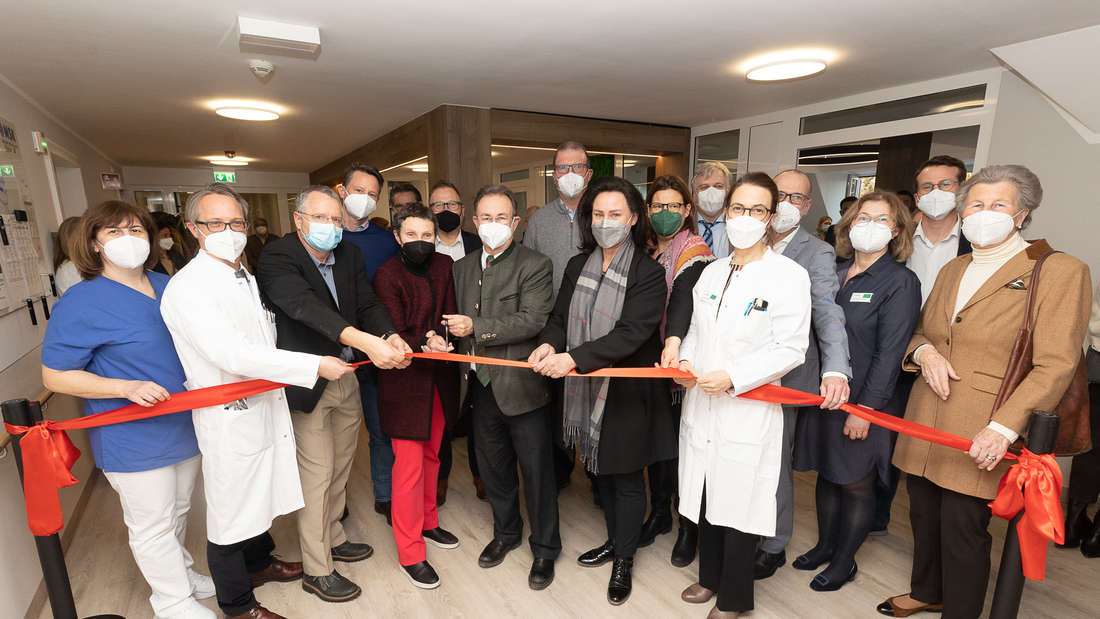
<point x="154" y="506"/>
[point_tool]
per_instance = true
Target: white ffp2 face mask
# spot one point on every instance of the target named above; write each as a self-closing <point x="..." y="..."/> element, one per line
<point x="787" y="217"/>
<point x="711" y="200"/>
<point x="360" y="205"/>
<point x="870" y="236"/>
<point x="227" y="244"/>
<point x="127" y="252"/>
<point x="571" y="185"/>
<point x="494" y="234"/>
<point x="745" y="231"/>
<point x="166" y="243"/>
<point x="986" y="228"/>
<point x="937" y="203"/>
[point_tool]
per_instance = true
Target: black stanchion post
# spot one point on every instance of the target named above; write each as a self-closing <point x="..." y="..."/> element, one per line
<point x="54" y="573"/>
<point x="1042" y="431"/>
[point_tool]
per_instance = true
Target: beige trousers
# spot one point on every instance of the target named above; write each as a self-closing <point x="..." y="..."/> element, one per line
<point x="326" y="440"/>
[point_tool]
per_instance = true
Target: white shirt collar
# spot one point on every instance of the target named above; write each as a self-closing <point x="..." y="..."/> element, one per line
<point x="919" y="232"/>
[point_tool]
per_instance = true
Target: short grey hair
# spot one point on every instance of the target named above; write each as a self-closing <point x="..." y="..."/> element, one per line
<point x="1029" y="191"/>
<point x="706" y="168"/>
<point x="191" y="209"/>
<point x="300" y="201"/>
<point x="570" y="145"/>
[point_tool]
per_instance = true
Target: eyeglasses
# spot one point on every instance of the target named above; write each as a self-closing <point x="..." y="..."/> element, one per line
<point x="237" y="225"/>
<point x="666" y="206"/>
<point x="794" y="198"/>
<point x="945" y="185"/>
<point x="579" y="168"/>
<point x="453" y="205"/>
<point x="500" y="219"/>
<point x="882" y="219"/>
<point x="321" y="219"/>
<point x="758" y="212"/>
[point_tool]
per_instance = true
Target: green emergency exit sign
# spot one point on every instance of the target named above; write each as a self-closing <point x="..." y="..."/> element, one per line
<point x="7" y="170"/>
<point x="225" y="177"/>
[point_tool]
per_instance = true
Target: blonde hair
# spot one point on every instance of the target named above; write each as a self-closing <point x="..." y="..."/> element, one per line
<point x="707" y="168"/>
<point x="901" y="246"/>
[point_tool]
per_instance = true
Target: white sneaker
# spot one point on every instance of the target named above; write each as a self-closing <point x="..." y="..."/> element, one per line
<point x="202" y="586"/>
<point x="193" y="610"/>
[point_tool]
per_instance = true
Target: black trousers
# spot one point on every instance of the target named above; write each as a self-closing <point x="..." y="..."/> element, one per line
<point x="623" y="499"/>
<point x="564" y="457"/>
<point x="951" y="546"/>
<point x="230" y="566"/>
<point x="1084" y="476"/>
<point x="464" y="427"/>
<point x="725" y="562"/>
<point x="502" y="440"/>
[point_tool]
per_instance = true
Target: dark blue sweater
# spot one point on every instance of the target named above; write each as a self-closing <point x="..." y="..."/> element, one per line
<point x="378" y="246"/>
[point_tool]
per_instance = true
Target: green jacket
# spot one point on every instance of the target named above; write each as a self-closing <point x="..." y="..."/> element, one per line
<point x="509" y="303"/>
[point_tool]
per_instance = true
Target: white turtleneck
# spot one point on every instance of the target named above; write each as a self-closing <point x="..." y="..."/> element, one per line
<point x="984" y="263"/>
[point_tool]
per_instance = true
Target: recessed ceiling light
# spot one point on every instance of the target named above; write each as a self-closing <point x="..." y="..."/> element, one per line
<point x="247" y="110"/>
<point x="222" y="160"/>
<point x="419" y="167"/>
<point x="786" y="65"/>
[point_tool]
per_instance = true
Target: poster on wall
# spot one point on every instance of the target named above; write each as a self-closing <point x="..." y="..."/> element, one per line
<point x="21" y="254"/>
<point x="111" y="180"/>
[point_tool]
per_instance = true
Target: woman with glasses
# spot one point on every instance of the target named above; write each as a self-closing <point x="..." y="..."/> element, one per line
<point x="107" y="343"/>
<point x="607" y="314"/>
<point x="749" y="327"/>
<point x="881" y="301"/>
<point x="677" y="249"/>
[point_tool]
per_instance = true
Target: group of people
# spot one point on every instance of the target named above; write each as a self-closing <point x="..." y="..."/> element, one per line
<point x="715" y="277"/>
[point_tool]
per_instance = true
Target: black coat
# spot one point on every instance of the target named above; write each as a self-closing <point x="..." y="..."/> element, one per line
<point x="639" y="427"/>
<point x="307" y="318"/>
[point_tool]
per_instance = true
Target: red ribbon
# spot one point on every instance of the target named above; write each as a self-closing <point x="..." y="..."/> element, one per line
<point x="1033" y="482"/>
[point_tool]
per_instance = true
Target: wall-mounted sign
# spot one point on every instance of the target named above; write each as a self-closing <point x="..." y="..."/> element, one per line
<point x="225" y="177"/>
<point x="110" y="180"/>
<point x="7" y="170"/>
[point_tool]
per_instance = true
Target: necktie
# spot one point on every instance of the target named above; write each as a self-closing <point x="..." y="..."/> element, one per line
<point x="708" y="234"/>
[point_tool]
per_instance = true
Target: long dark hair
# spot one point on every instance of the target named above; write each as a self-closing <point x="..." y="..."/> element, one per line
<point x="640" y="232"/>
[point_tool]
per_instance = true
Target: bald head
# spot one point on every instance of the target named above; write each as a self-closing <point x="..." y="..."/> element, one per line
<point x="794" y="187"/>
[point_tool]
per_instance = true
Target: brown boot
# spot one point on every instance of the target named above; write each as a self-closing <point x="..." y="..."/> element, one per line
<point x="441" y="492"/>
<point x="257" y="612"/>
<point x="696" y="594"/>
<point x="480" y="487"/>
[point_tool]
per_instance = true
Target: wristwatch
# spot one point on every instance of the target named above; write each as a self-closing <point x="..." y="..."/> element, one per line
<point x="387" y="334"/>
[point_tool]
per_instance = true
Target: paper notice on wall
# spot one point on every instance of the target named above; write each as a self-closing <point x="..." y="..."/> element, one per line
<point x="21" y="254"/>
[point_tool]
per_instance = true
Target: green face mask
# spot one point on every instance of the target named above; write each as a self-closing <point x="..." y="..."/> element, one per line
<point x="666" y="223"/>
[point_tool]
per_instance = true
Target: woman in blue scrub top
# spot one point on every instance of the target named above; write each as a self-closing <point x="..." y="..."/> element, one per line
<point x="881" y="301"/>
<point x="106" y="343"/>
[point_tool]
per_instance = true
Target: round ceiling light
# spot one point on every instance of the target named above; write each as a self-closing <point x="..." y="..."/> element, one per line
<point x="247" y="110"/>
<point x="786" y="70"/>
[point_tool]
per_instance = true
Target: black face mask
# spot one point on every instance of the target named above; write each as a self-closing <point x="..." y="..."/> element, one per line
<point x="448" y="221"/>
<point x="417" y="252"/>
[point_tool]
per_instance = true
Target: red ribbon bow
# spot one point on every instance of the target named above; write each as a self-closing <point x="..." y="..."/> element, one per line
<point x="1033" y="484"/>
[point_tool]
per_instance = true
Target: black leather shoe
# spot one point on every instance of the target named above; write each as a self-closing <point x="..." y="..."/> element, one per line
<point x="822" y="582"/>
<point x="687" y="540"/>
<point x="331" y="588"/>
<point x="1090" y="544"/>
<point x="350" y="552"/>
<point x="441" y="537"/>
<point x="597" y="556"/>
<point x="658" y="523"/>
<point x="383" y="508"/>
<point x="541" y="575"/>
<point x="1077" y="524"/>
<point x="495" y="551"/>
<point x="422" y="575"/>
<point x="766" y="563"/>
<point x="618" y="588"/>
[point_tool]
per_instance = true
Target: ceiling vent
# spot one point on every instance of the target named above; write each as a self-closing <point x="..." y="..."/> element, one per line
<point x="276" y="37"/>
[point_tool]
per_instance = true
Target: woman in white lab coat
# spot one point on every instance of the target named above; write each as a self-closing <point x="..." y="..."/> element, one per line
<point x="749" y="327"/>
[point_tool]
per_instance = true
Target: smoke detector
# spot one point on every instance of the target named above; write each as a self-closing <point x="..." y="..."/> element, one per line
<point x="262" y="69"/>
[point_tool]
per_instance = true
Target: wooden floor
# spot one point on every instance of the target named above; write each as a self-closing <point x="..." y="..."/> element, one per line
<point x="106" y="580"/>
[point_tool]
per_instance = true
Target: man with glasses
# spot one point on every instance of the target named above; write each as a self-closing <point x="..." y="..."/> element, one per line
<point x="937" y="239"/>
<point x="359" y="192"/>
<point x="504" y="293"/>
<point x="710" y="189"/>
<point x="223" y="334"/>
<point x="827" y="368"/>
<point x="552" y="231"/>
<point x="450" y="239"/>
<point x="402" y="195"/>
<point x="316" y="286"/>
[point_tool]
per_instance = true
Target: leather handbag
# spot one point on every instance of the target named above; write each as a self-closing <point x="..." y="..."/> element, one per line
<point x="1074" y="434"/>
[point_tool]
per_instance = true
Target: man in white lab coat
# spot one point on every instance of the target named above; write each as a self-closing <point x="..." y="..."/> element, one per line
<point x="223" y="334"/>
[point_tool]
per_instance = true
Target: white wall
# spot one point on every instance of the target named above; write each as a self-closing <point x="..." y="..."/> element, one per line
<point x="1029" y="131"/>
<point x="19" y="353"/>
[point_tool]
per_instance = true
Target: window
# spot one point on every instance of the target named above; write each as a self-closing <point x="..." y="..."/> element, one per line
<point x="515" y="175"/>
<point x="912" y="107"/>
<point x="721" y="147"/>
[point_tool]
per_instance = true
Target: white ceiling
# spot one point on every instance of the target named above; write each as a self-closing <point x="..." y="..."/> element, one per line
<point x="131" y="76"/>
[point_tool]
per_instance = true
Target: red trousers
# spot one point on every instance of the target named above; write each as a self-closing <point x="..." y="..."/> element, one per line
<point x="415" y="473"/>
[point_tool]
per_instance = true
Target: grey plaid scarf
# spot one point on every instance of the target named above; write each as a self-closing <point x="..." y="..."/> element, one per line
<point x="593" y="311"/>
